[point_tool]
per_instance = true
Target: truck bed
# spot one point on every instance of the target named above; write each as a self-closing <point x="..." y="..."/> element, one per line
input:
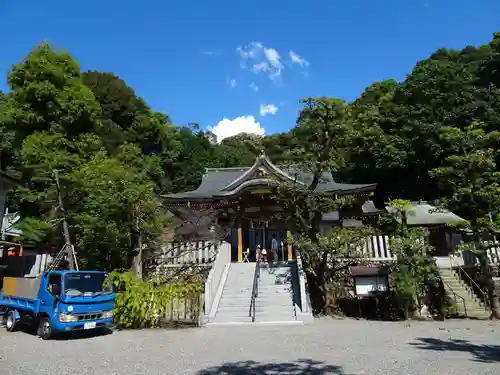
<point x="20" y="293"/>
<point x="19" y="303"/>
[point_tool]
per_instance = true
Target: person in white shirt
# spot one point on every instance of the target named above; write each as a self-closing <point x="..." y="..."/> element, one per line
<point x="262" y="253"/>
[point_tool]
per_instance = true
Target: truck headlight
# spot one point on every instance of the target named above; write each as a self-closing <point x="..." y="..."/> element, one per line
<point x="67" y="318"/>
<point x="107" y="314"/>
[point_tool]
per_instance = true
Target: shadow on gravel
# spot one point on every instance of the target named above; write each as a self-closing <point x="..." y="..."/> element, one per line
<point x="481" y="353"/>
<point x="77" y="335"/>
<point x="298" y="367"/>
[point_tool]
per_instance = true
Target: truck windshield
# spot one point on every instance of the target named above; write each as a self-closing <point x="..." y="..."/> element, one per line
<point x="85" y="284"/>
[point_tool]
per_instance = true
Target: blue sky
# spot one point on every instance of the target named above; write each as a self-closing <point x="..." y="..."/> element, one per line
<point x="202" y="61"/>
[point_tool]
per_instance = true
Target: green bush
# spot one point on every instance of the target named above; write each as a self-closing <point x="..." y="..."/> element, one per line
<point x="142" y="304"/>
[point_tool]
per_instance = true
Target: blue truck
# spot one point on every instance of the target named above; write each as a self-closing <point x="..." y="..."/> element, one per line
<point x="58" y="301"/>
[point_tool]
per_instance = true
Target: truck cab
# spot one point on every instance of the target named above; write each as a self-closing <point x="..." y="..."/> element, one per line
<point x="59" y="301"/>
<point x="76" y="300"/>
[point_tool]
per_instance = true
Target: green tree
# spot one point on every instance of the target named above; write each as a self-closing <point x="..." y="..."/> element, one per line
<point x="414" y="267"/>
<point x="111" y="209"/>
<point x="323" y="134"/>
<point x="108" y="192"/>
<point x="471" y="180"/>
<point x="7" y="134"/>
<point x="379" y="151"/>
<point x="126" y="118"/>
<point x="49" y="110"/>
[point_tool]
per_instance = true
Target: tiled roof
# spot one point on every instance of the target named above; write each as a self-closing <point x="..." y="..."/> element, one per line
<point x="220" y="182"/>
<point x="426" y="214"/>
<point x="367" y="208"/>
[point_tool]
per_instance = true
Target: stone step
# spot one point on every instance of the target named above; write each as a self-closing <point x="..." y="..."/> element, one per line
<point x="274" y="297"/>
<point x="473" y="305"/>
<point x="271" y="292"/>
<point x="236" y="298"/>
<point x="273" y="317"/>
<point x="259" y="295"/>
<point x="274" y="286"/>
<point x="258" y="306"/>
<point x="274" y="302"/>
<point x="258" y="302"/>
<point x="240" y="311"/>
<point x="232" y="293"/>
<point x="214" y="325"/>
<point x="232" y="319"/>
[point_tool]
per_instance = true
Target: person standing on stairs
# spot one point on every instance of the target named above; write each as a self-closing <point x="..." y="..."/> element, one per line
<point x="274" y="249"/>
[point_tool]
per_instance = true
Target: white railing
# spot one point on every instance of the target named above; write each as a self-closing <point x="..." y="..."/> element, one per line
<point x="377" y="248"/>
<point x="216" y="279"/>
<point x="304" y="306"/>
<point x="175" y="254"/>
<point x="493" y="251"/>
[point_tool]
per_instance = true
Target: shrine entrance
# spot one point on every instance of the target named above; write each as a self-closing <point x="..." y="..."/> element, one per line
<point x="262" y="235"/>
<point x="259" y="233"/>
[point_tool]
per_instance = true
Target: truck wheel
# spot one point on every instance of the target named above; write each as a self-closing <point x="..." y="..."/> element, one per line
<point x="10" y="322"/>
<point x="45" y="329"/>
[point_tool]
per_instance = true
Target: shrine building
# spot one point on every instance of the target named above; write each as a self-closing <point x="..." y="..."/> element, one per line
<point x="243" y="197"/>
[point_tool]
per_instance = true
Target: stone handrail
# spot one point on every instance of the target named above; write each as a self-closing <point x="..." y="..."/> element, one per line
<point x="215" y="276"/>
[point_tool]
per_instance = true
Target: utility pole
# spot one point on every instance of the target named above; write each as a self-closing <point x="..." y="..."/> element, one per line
<point x="67" y="239"/>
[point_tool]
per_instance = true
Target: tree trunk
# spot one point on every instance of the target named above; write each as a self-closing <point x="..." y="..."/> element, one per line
<point x="492" y="297"/>
<point x="137" y="260"/>
<point x="490" y="283"/>
<point x="317" y="292"/>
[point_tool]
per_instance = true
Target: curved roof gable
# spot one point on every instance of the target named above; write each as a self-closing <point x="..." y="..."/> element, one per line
<point x="226" y="182"/>
<point x="262" y="161"/>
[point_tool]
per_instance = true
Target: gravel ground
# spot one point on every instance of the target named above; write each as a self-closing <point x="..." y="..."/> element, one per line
<point x="325" y="347"/>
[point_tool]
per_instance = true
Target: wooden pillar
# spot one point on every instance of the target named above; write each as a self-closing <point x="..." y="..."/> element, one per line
<point x="240" y="242"/>
<point x="289" y="245"/>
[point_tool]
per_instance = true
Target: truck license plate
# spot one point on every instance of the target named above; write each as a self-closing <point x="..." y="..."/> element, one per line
<point x="89" y="325"/>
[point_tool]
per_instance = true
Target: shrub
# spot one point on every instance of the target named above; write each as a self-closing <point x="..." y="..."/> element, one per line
<point x="142" y="304"/>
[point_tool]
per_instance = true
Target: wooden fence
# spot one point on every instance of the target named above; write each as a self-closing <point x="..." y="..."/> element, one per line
<point x="176" y="254"/>
<point x="185" y="311"/>
<point x="377" y="248"/>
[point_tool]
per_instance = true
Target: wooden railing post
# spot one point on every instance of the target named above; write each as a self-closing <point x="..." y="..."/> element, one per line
<point x="240" y="242"/>
<point x="289" y="245"/>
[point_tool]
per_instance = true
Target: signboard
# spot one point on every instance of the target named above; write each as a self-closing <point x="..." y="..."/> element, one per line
<point x="368" y="284"/>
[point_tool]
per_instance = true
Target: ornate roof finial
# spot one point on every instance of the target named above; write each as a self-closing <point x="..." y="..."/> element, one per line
<point x="262" y="153"/>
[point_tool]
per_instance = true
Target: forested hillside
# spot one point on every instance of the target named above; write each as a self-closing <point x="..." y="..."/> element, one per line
<point x="434" y="136"/>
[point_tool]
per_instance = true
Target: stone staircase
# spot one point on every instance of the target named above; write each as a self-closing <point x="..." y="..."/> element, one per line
<point x="474" y="308"/>
<point x="275" y="300"/>
<point x="274" y="303"/>
<point x="234" y="304"/>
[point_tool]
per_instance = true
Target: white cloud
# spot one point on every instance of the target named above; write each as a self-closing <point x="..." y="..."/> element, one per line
<point x="261" y="60"/>
<point x="254" y="87"/>
<point x="231" y="82"/>
<point x="296" y="59"/>
<point x="268" y="109"/>
<point x="243" y="124"/>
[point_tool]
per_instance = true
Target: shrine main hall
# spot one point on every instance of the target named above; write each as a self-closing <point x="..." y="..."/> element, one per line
<point x="243" y="197"/>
